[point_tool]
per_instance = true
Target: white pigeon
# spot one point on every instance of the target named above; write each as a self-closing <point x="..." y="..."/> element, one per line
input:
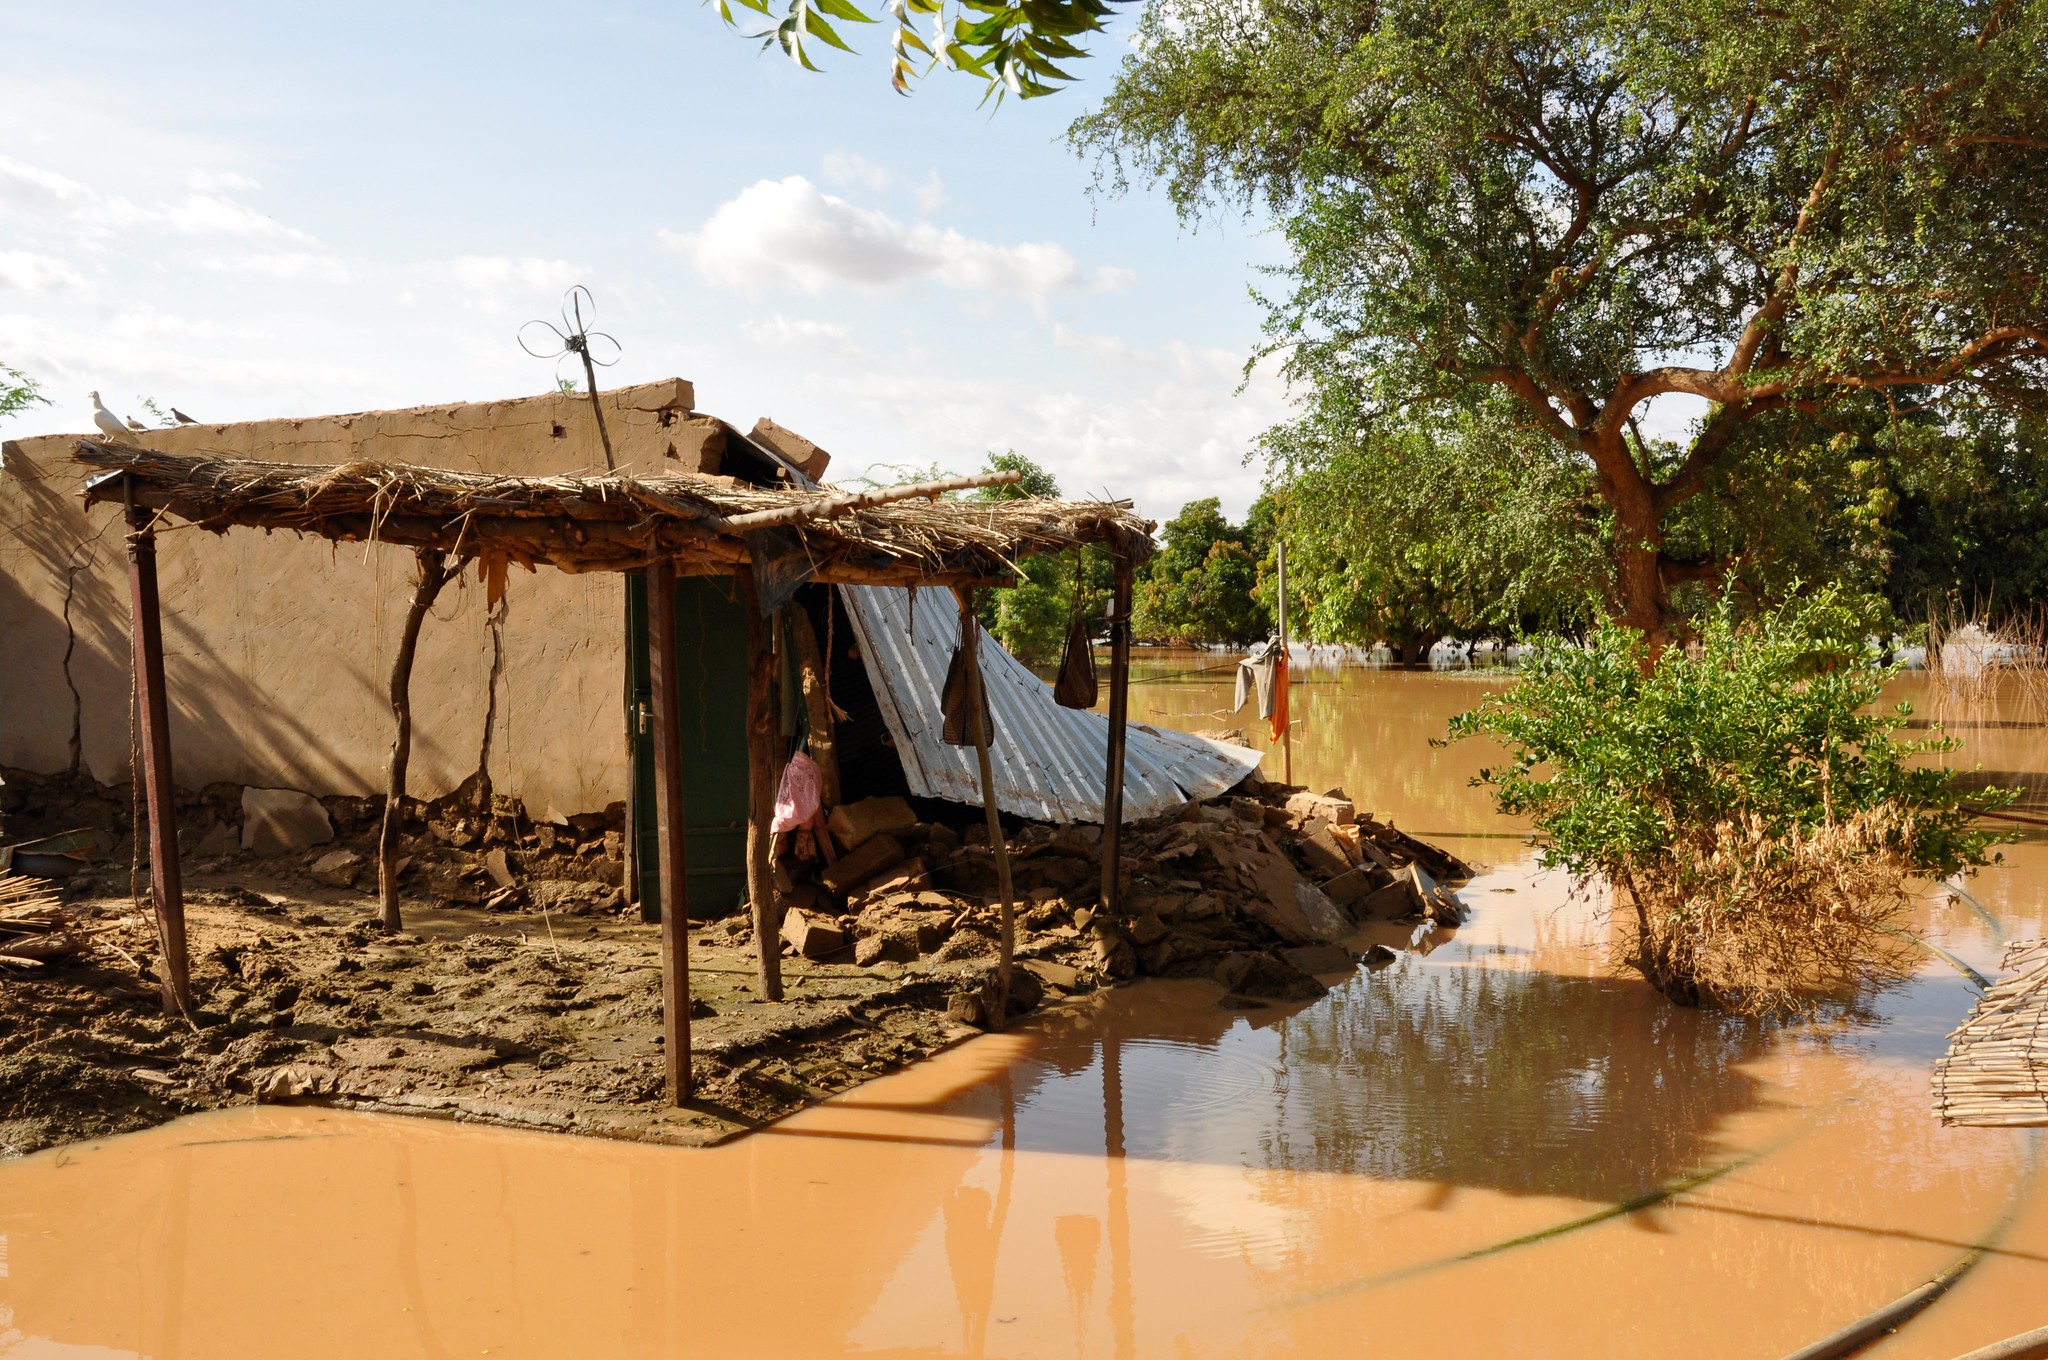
<point x="109" y="424"/>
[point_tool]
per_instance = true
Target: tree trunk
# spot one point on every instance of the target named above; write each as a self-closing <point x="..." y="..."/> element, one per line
<point x="761" y="772"/>
<point x="433" y="574"/>
<point x="1641" y="600"/>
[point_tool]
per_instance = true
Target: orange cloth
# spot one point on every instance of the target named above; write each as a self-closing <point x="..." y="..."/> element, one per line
<point x="1280" y="695"/>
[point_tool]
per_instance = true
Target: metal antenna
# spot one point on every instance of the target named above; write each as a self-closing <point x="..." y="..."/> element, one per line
<point x="574" y="336"/>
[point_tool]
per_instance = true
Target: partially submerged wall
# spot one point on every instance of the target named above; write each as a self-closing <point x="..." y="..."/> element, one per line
<point x="278" y="648"/>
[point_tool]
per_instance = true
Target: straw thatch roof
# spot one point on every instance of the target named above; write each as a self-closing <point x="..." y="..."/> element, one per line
<point x="616" y="522"/>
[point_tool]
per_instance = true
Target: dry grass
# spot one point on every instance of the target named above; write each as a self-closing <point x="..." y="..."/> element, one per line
<point x="1768" y="924"/>
<point x="1972" y="661"/>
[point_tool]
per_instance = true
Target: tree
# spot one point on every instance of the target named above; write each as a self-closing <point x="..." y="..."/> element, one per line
<point x="1591" y="205"/>
<point x="1749" y="803"/>
<point x="1011" y="46"/>
<point x="18" y="391"/>
<point x="1199" y="588"/>
<point x="1409" y="529"/>
<point x="1031" y="618"/>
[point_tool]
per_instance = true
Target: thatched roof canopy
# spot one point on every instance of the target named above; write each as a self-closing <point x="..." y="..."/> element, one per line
<point x="616" y="522"/>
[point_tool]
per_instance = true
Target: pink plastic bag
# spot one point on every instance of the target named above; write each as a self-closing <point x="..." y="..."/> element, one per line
<point x="796" y="798"/>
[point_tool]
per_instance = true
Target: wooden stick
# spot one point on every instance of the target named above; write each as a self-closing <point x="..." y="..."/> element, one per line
<point x="434" y="572"/>
<point x="671" y="853"/>
<point x="977" y="717"/>
<point x="153" y="714"/>
<point x="832" y="507"/>
<point x="761" y="689"/>
<point x="1119" y="724"/>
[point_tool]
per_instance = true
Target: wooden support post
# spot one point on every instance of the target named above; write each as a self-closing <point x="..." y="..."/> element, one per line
<point x="671" y="853"/>
<point x="1119" y="722"/>
<point x="761" y="689"/>
<point x="152" y="709"/>
<point x="434" y="571"/>
<point x="977" y="720"/>
<point x="1284" y="676"/>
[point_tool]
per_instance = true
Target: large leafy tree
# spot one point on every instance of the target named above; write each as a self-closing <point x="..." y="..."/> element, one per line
<point x="1594" y="205"/>
<point x="1409" y="529"/>
<point x="1200" y="587"/>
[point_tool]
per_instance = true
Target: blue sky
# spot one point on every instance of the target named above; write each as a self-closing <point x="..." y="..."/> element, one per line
<point x="269" y="210"/>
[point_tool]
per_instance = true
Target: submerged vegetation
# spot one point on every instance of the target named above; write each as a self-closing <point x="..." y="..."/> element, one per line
<point x="1746" y="798"/>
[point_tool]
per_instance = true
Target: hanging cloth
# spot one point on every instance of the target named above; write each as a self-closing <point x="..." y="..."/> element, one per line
<point x="1075" y="687"/>
<point x="1279" y="706"/>
<point x="1256" y="673"/>
<point x="957" y="729"/>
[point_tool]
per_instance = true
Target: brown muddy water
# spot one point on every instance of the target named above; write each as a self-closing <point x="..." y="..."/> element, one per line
<point x="1495" y="1146"/>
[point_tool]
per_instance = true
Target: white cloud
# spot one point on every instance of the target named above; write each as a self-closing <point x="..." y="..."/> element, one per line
<point x="931" y="194"/>
<point x="851" y="170"/>
<point x="1112" y="278"/>
<point x="31" y="188"/>
<point x="282" y="264"/>
<point x="507" y="281"/>
<point x="213" y="181"/>
<point x="790" y="234"/>
<point x="210" y="215"/>
<point x="777" y="329"/>
<point x="24" y="272"/>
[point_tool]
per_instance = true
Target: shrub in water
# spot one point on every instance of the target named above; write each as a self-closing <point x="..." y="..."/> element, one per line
<point x="1745" y="799"/>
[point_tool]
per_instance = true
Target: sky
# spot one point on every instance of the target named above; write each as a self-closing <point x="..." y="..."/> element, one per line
<point x="251" y="211"/>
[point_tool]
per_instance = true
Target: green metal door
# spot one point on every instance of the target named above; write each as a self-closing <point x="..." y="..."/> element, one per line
<point x="711" y="642"/>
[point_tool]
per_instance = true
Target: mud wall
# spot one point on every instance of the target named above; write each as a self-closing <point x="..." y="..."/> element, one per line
<point x="278" y="648"/>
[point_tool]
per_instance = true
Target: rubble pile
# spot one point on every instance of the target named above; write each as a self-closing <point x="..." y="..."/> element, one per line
<point x="1257" y="891"/>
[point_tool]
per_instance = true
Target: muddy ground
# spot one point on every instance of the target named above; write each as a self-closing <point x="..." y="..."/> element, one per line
<point x="543" y="1009"/>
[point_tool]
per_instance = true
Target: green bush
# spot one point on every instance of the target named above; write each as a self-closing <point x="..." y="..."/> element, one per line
<point x="1746" y="798"/>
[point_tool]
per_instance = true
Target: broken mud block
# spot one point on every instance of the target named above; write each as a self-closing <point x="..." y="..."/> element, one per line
<point x="341" y="868"/>
<point x="912" y="875"/>
<point x="1319" y="958"/>
<point x="1396" y="901"/>
<point x="1379" y="956"/>
<point x="283" y="821"/>
<point x="811" y="935"/>
<point x="1059" y="975"/>
<point x="1147" y="929"/>
<point x="888" y="947"/>
<point x="874" y="855"/>
<point x="499" y="866"/>
<point x="853" y="824"/>
<point x="1338" y="810"/>
<point x="1322" y="853"/>
<point x="1113" y="955"/>
<point x="1437" y="901"/>
<point x="1349" y="890"/>
<point x="1289" y="905"/>
<point x="1264" y="978"/>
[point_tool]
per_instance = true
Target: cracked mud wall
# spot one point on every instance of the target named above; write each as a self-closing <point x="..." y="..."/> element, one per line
<point x="278" y="647"/>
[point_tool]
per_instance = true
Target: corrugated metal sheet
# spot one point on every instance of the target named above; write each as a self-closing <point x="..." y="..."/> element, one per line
<point x="1048" y="760"/>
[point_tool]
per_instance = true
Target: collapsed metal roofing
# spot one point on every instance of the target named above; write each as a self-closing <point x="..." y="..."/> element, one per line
<point x="1048" y="760"/>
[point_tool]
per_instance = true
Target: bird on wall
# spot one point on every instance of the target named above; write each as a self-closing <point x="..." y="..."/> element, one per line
<point x="109" y="424"/>
<point x="135" y="424"/>
<point x="181" y="417"/>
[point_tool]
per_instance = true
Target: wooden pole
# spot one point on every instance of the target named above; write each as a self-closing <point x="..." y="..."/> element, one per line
<point x="761" y="687"/>
<point x="433" y="574"/>
<point x="166" y="884"/>
<point x="1286" y="675"/>
<point x="671" y="853"/>
<point x="977" y="718"/>
<point x="1119" y="722"/>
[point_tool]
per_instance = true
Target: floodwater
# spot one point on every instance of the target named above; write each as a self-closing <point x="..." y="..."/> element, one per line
<point x="1495" y="1146"/>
